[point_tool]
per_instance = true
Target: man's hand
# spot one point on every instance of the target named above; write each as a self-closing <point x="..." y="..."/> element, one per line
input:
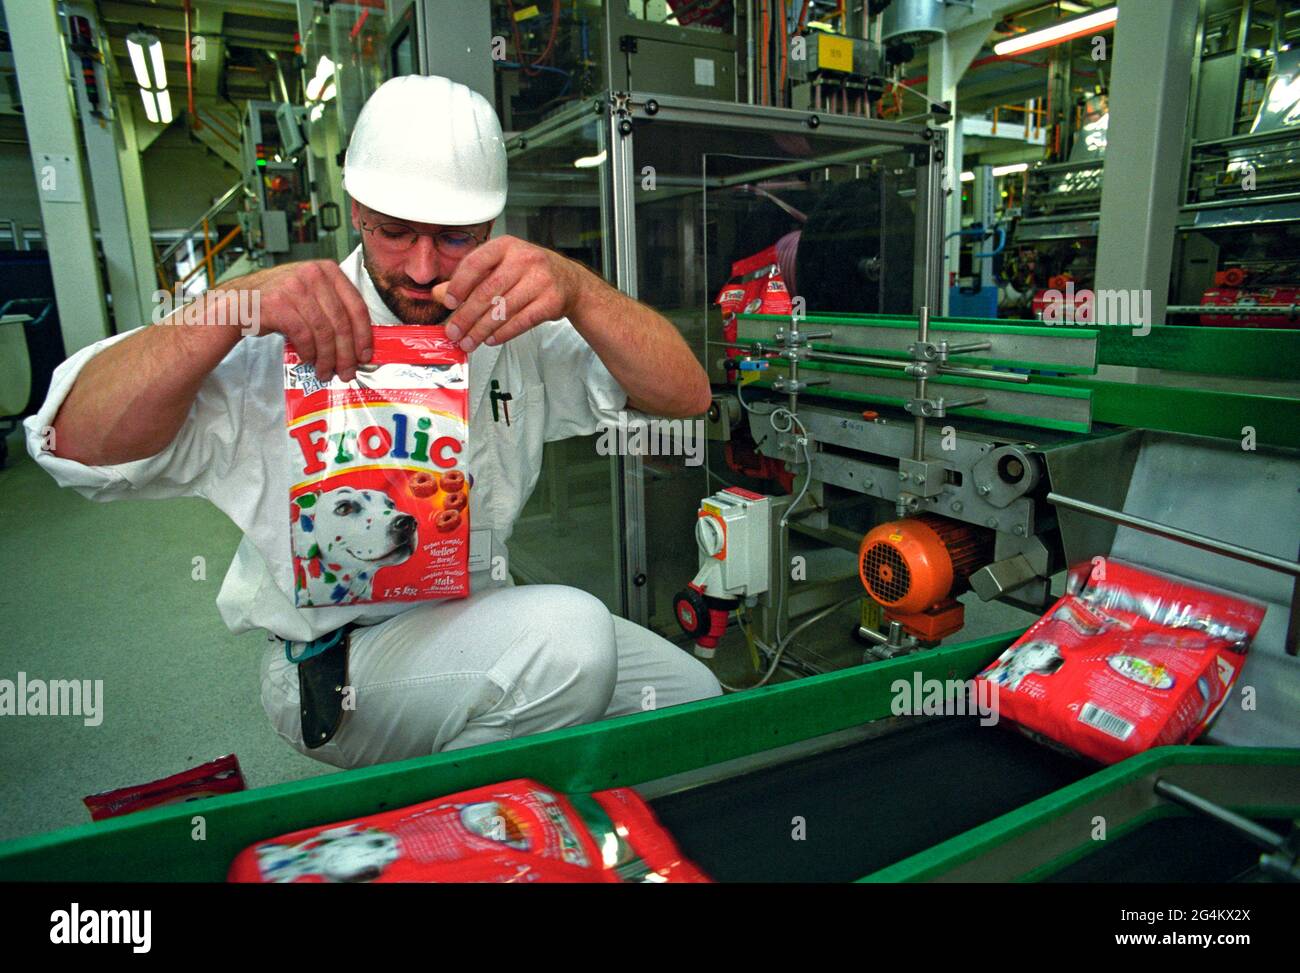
<point x="317" y="309"/>
<point x="505" y="287"/>
<point x="131" y="400"/>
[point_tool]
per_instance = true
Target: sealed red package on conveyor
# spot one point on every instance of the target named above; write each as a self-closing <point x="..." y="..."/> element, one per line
<point x="517" y="831"/>
<point x="379" y="507"/>
<point x="1128" y="659"/>
<point x="756" y="287"/>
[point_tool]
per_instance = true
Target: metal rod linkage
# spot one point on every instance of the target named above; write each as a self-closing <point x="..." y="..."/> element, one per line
<point x="1245" y="827"/>
<point x="918" y="420"/>
<point x="1290" y="311"/>
<point x="899" y="364"/>
<point x="1234" y="551"/>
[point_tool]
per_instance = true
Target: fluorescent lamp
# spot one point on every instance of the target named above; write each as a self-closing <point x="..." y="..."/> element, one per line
<point x="589" y="161"/>
<point x="1066" y="30"/>
<point x="1006" y="170"/>
<point x="319" y="90"/>
<point x="319" y="87"/>
<point x="150" y="106"/>
<point x="165" y="106"/>
<point x="153" y="88"/>
<point x="159" y="68"/>
<point x="134" y="48"/>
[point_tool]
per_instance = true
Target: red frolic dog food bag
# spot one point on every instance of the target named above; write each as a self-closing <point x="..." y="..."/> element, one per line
<point x="516" y="831"/>
<point x="379" y="507"/>
<point x="1128" y="659"/>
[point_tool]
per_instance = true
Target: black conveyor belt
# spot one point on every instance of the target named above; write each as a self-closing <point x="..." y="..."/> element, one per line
<point x="864" y="806"/>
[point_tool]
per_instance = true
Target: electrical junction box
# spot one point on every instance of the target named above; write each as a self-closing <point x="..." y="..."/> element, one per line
<point x="831" y="56"/>
<point x="733" y="532"/>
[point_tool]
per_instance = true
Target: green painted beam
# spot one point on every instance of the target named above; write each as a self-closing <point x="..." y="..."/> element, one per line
<point x="1025" y="346"/>
<point x="1270" y="353"/>
<point x="156" y="845"/>
<point x="1197" y="412"/>
<point x="1266" y="353"/>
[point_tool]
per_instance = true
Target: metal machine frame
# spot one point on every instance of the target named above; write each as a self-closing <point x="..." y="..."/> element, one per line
<point x="626" y="116"/>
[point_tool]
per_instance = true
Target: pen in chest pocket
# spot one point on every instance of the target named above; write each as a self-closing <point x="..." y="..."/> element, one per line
<point x="500" y="402"/>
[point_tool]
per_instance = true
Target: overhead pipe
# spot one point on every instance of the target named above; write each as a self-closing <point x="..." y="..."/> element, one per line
<point x="195" y="121"/>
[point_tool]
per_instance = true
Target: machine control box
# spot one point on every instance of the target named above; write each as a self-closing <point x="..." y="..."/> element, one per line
<point x="733" y="531"/>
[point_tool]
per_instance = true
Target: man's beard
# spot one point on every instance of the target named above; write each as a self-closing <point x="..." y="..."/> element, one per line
<point x="409" y="310"/>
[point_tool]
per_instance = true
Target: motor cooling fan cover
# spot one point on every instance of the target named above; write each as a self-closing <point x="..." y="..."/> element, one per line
<point x="913" y="564"/>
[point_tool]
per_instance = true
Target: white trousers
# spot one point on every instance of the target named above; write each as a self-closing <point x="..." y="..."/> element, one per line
<point x="500" y="664"/>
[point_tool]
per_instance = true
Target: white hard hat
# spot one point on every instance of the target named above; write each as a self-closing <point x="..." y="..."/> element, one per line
<point x="429" y="150"/>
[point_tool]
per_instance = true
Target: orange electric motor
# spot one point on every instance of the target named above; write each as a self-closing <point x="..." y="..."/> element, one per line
<point x="916" y="567"/>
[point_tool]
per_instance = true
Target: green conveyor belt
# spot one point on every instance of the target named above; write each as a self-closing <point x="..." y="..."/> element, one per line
<point x="1264" y="353"/>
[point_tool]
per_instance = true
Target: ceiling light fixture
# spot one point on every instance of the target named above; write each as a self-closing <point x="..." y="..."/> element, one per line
<point x="1007" y="170"/>
<point x="146" y="52"/>
<point x="1035" y="40"/>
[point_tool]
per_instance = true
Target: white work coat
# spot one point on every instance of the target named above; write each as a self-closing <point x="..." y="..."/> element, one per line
<point x="234" y="450"/>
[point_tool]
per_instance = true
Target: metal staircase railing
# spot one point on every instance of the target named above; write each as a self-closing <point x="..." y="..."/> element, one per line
<point x="201" y="228"/>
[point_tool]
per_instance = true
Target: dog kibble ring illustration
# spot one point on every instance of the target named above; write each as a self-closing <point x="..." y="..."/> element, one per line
<point x="423" y="485"/>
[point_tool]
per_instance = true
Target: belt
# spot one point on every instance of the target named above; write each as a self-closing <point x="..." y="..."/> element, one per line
<point x="322" y="680"/>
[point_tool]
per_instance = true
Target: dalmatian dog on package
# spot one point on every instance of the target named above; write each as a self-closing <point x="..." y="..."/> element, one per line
<point x="344" y="537"/>
<point x="350" y="853"/>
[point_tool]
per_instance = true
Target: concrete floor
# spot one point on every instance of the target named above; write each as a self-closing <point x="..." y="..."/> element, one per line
<point x="105" y="591"/>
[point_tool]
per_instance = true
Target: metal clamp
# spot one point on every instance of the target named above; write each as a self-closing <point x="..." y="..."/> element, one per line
<point x="938" y="408"/>
<point x="792" y="385"/>
<point x="896" y="643"/>
<point x="795" y="338"/>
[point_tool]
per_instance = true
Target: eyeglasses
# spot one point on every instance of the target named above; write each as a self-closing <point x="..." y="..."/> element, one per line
<point x="398" y="237"/>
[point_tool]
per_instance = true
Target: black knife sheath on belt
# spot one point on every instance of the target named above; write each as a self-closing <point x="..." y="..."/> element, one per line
<point x="321" y="683"/>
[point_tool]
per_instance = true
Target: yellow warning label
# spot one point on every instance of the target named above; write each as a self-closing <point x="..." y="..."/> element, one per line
<point x="872" y="616"/>
<point x="895" y="537"/>
<point x="530" y="11"/>
<point x="834" y="53"/>
<point x="710" y="508"/>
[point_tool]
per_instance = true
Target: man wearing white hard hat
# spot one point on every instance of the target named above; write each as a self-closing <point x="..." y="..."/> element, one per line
<point x="199" y="411"/>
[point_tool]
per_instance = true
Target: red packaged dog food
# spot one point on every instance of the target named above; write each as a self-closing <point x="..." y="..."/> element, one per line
<point x="379" y="505"/>
<point x="1127" y="660"/>
<point x="517" y="831"/>
<point x="220" y="776"/>
<point x="756" y="287"/>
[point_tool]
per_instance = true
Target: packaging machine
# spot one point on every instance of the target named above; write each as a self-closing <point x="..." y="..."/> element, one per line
<point x="1146" y="471"/>
<point x="996" y="453"/>
<point x="955" y="454"/>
